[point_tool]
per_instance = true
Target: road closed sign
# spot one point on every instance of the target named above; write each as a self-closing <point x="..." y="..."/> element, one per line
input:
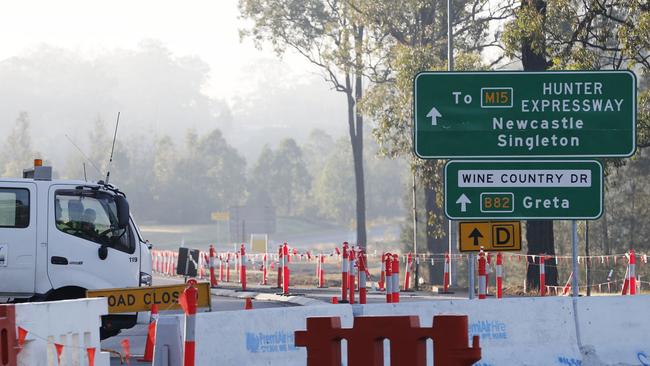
<point x="492" y="236"/>
<point x="130" y="300"/>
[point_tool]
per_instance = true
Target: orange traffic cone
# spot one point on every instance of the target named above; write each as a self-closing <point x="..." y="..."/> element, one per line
<point x="249" y="304"/>
<point x="151" y="336"/>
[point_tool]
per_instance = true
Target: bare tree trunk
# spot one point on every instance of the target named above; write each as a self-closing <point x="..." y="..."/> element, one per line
<point x="434" y="245"/>
<point x="539" y="233"/>
<point x="606" y="247"/>
<point x="356" y="136"/>
<point x="632" y="213"/>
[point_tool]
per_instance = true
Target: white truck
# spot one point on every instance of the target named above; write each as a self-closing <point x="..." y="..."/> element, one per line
<point x="59" y="238"/>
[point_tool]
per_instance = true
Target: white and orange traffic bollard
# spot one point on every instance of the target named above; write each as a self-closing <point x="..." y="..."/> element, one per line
<point x="352" y="274"/>
<point x="446" y="275"/>
<point x="388" y="262"/>
<point x="481" y="275"/>
<point x="362" y="276"/>
<point x="488" y="270"/>
<point x="499" y="276"/>
<point x="542" y="276"/>
<point x="237" y="265"/>
<point x="321" y="271"/>
<point x="213" y="278"/>
<point x="285" y="269"/>
<point x="626" y="281"/>
<point x="344" y="273"/>
<point x="407" y="272"/>
<point x="228" y="267"/>
<point x="151" y="336"/>
<point x="191" y="295"/>
<point x="242" y="264"/>
<point x="318" y="270"/>
<point x="280" y="266"/>
<point x="220" y="268"/>
<point x="632" y="272"/>
<point x="395" y="276"/>
<point x="201" y="265"/>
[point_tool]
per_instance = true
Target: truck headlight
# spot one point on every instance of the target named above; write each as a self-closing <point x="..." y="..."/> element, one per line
<point x="145" y="279"/>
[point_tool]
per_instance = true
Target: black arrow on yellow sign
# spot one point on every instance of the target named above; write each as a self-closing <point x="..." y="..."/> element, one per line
<point x="475" y="234"/>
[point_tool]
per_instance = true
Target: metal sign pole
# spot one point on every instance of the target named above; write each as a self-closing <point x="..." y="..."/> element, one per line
<point x="415" y="233"/>
<point x="470" y="274"/>
<point x="450" y="67"/>
<point x="574" y="250"/>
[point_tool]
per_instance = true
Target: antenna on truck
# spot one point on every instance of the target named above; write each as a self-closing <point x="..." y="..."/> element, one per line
<point x="108" y="170"/>
<point x="84" y="155"/>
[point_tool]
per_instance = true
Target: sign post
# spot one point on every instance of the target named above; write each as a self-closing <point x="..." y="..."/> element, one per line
<point x="525" y="114"/>
<point x="517" y="190"/>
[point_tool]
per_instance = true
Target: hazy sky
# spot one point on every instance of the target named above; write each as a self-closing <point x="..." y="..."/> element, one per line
<point x="269" y="99"/>
<point x="205" y="28"/>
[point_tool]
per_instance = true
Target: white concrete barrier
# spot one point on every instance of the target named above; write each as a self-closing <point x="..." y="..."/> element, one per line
<point x="615" y="330"/>
<point x="258" y="337"/>
<point x="517" y="331"/>
<point x="72" y="323"/>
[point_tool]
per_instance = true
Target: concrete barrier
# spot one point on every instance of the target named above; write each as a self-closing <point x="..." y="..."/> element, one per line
<point x="258" y="337"/>
<point x="72" y="323"/>
<point x="614" y="330"/>
<point x="517" y="331"/>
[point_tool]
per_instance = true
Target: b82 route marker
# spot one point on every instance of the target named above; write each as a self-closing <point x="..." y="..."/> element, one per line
<point x="525" y="114"/>
<point x="523" y="189"/>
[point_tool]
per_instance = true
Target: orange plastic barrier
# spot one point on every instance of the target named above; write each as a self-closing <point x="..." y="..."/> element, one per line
<point x="407" y="341"/>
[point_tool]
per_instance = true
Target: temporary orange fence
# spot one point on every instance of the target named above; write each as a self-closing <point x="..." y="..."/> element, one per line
<point x="365" y="341"/>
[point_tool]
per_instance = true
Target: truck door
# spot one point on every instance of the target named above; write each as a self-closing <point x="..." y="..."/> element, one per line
<point x="81" y="221"/>
<point x="17" y="239"/>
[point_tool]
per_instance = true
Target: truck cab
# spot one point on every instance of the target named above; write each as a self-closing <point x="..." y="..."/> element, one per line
<point x="59" y="238"/>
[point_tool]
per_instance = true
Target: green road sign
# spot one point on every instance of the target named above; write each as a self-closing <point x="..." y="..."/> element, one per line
<point x="525" y="114"/>
<point x="520" y="190"/>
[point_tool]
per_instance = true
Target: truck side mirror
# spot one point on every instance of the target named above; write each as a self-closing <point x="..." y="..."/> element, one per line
<point x="122" y="212"/>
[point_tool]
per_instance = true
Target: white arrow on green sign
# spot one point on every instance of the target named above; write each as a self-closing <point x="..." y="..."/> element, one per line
<point x="525" y="114"/>
<point x="522" y="189"/>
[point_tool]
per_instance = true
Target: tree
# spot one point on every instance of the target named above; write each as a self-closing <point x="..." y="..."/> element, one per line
<point x="599" y="34"/>
<point x="333" y="187"/>
<point x="215" y="170"/>
<point x="17" y="151"/>
<point x="415" y="40"/>
<point x="328" y="35"/>
<point x="283" y="174"/>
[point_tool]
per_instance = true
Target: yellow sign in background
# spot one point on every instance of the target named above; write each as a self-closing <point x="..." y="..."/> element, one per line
<point x="130" y="300"/>
<point x="493" y="236"/>
<point x="220" y="216"/>
<point x="259" y="243"/>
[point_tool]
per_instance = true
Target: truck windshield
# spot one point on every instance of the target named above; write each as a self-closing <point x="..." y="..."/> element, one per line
<point x="91" y="215"/>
